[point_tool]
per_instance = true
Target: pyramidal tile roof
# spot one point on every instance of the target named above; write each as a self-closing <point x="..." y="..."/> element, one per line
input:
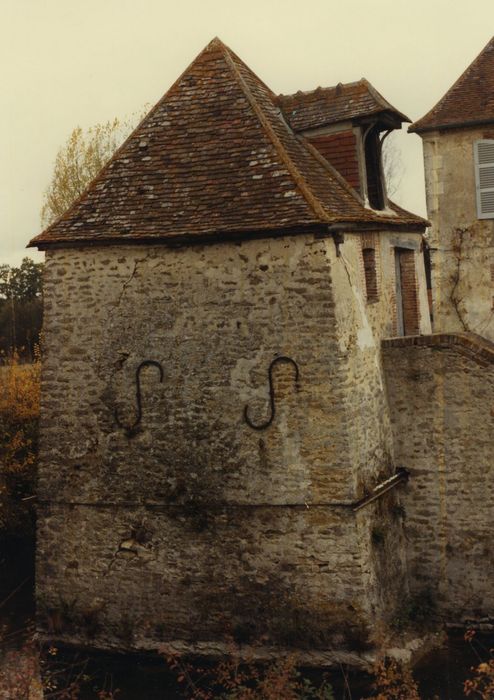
<point x="214" y="157"/>
<point x="469" y="101"/>
<point x="325" y="106"/>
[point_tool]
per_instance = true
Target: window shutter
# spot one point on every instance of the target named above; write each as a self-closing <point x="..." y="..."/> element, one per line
<point x="484" y="178"/>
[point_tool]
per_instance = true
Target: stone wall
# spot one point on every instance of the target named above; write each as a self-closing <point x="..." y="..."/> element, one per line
<point x="441" y="394"/>
<point x="462" y="246"/>
<point x="137" y="577"/>
<point x="192" y="523"/>
<point x="360" y="327"/>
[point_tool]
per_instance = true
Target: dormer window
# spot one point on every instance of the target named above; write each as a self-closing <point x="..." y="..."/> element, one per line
<point x="484" y="177"/>
<point x="373" y="169"/>
<point x="344" y="124"/>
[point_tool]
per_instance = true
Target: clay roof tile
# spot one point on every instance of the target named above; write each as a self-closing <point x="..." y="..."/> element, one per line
<point x="213" y="157"/>
<point x="325" y="106"/>
<point x="469" y="101"/>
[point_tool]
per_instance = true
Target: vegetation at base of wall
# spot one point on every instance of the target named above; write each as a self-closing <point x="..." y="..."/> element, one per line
<point x="72" y="674"/>
<point x="393" y="681"/>
<point x="19" y="415"/>
<point x="19" y="673"/>
<point x="235" y="679"/>
<point x="481" y="683"/>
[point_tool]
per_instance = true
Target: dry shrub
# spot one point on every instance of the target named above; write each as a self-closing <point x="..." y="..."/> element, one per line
<point x="393" y="681"/>
<point x="481" y="685"/>
<point x="19" y="674"/>
<point x="236" y="679"/>
<point x="19" y="414"/>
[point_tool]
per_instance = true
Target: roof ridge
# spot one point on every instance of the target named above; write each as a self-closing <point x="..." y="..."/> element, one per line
<point x="329" y="87"/>
<point x="297" y="176"/>
<point x="322" y="106"/>
<point x="231" y="53"/>
<point x="415" y="126"/>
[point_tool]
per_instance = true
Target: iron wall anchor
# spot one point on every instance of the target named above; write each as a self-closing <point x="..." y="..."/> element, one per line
<point x="263" y="426"/>
<point x="131" y="429"/>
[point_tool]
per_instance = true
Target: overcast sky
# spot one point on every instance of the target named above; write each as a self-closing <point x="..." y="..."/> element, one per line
<point x="79" y="62"/>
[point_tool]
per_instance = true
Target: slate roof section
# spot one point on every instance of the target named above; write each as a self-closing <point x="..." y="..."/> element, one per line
<point x="214" y="157"/>
<point x="343" y="102"/>
<point x="470" y="101"/>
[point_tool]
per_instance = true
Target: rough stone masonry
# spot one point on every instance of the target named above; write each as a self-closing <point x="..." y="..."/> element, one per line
<point x="215" y="408"/>
<point x="197" y="524"/>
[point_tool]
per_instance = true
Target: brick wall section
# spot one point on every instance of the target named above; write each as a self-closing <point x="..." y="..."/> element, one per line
<point x="369" y="260"/>
<point x="340" y="150"/>
<point x="411" y="321"/>
<point x="381" y="315"/>
<point x="371" y="266"/>
<point x="441" y="394"/>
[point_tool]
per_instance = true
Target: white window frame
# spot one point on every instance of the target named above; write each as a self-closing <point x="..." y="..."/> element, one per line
<point x="478" y="167"/>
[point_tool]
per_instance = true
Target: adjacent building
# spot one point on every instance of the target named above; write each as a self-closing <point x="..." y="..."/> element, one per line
<point x="458" y="139"/>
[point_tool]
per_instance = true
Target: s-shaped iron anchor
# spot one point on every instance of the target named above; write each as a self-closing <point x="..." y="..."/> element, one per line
<point x="263" y="426"/>
<point x="131" y="429"/>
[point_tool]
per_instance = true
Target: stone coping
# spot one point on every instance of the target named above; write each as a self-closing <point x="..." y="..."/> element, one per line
<point x="472" y="345"/>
